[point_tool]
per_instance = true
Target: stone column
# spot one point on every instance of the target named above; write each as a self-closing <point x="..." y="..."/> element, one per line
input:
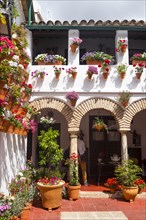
<point x="124" y="147"/>
<point x="122" y="57"/>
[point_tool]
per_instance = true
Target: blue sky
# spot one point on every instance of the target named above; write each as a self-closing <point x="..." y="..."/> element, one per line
<point x="94" y="9"/>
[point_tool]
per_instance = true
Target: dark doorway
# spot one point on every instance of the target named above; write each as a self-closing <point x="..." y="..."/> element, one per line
<point x="104" y="144"/>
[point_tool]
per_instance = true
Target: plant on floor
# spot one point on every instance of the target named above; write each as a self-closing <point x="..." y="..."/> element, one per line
<point x="111" y="183"/>
<point x="73" y="168"/>
<point x="140" y="183"/>
<point x="127" y="173"/>
<point x="50" y="153"/>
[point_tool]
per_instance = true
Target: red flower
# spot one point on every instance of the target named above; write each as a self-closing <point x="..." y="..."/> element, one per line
<point x="111" y="182"/>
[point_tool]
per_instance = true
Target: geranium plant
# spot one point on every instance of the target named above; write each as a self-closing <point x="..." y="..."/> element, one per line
<point x="122" y="45"/>
<point x="6" y="47"/>
<point x="39" y="73"/>
<point x="73" y="168"/>
<point x="139" y="68"/>
<point x="111" y="183"/>
<point x="71" y="70"/>
<point x="72" y="95"/>
<point x="92" y="70"/>
<point x="26" y="88"/>
<point x="141" y="183"/>
<point x="77" y="41"/>
<point x="139" y="56"/>
<point x="50" y="181"/>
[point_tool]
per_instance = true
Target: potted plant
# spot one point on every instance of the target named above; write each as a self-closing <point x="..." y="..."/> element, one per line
<point x="72" y="71"/>
<point x="138" y="70"/>
<point x="39" y="73"/>
<point x="60" y="60"/>
<point x="138" y="58"/>
<point x="76" y="41"/>
<point x="74" y="185"/>
<point x="57" y="71"/>
<point x="105" y="68"/>
<point x="7" y="48"/>
<point x="112" y="184"/>
<point x="73" y="97"/>
<point x="47" y="120"/>
<point x="127" y="173"/>
<point x="124" y="98"/>
<point x="26" y="91"/>
<point x="50" y="156"/>
<point x="40" y="59"/>
<point x="122" y="68"/>
<point x="122" y="45"/>
<point x="91" y="70"/>
<point x="99" y="124"/>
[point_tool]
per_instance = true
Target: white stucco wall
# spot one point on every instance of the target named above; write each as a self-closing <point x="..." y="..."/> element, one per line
<point x="12" y="157"/>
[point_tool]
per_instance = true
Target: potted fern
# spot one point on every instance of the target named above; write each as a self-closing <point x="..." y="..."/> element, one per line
<point x="127" y="173"/>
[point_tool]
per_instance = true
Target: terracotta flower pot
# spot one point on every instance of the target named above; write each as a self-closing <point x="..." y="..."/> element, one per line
<point x="73" y="48"/>
<point x="73" y="192"/>
<point x="138" y="75"/>
<point x="123" y="48"/>
<point x="129" y="193"/>
<point x="2" y="83"/>
<point x="51" y="195"/>
<point x="90" y="75"/>
<point x="74" y="75"/>
<point x="73" y="102"/>
<point x="3" y="93"/>
<point x="105" y="75"/>
<point x="57" y="75"/>
<point x="122" y="75"/>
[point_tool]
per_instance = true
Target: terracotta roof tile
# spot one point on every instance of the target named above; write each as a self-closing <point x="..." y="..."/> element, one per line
<point x="92" y="23"/>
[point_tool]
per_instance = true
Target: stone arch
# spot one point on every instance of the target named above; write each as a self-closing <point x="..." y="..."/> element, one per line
<point x="53" y="103"/>
<point x="132" y="110"/>
<point x="96" y="103"/>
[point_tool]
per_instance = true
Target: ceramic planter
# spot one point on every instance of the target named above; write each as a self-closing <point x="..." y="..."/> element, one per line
<point x="51" y="195"/>
<point x="73" y="192"/>
<point x="129" y="193"/>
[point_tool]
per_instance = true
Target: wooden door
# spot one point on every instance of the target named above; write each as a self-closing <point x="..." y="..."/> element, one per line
<point x="103" y="142"/>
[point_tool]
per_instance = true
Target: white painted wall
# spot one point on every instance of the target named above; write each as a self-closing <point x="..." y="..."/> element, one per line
<point x="12" y="157"/>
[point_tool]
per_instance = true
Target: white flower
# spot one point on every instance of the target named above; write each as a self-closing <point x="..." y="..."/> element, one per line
<point x="11" y="63"/>
<point x="21" y="66"/>
<point x="20" y="174"/>
<point x="22" y="178"/>
<point x="16" y="58"/>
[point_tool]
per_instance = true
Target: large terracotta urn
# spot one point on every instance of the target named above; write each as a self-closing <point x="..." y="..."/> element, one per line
<point x="129" y="192"/>
<point x="51" y="195"/>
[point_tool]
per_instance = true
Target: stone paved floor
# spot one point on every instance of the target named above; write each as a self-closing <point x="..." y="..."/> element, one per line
<point x="103" y="207"/>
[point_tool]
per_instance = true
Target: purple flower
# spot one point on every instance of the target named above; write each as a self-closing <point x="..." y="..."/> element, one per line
<point x="72" y="95"/>
<point x="92" y="70"/>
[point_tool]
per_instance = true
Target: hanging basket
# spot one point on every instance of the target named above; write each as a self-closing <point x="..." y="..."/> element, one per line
<point x="99" y="127"/>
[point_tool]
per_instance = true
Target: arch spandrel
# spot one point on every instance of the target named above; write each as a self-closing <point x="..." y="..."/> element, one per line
<point x="53" y="103"/>
<point x="97" y="103"/>
<point x="131" y="111"/>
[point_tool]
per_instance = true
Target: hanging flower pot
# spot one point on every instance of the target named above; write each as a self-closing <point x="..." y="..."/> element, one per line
<point x="123" y="48"/>
<point x="138" y="75"/>
<point x="90" y="75"/>
<point x="57" y="75"/>
<point x="73" y="48"/>
<point x="2" y="83"/>
<point x="72" y="97"/>
<point x="22" y="112"/>
<point x="105" y="75"/>
<point x="3" y="92"/>
<point x="122" y="75"/>
<point x="74" y="75"/>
